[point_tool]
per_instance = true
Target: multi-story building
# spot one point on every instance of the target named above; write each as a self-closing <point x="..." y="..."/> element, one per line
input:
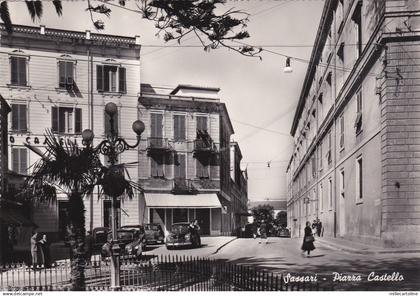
<point x="62" y="80"/>
<point x="356" y="127"/>
<point x="185" y="161"/>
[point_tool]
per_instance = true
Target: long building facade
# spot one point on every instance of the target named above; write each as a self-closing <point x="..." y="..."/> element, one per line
<point x="356" y="127"/>
<point x="61" y="80"/>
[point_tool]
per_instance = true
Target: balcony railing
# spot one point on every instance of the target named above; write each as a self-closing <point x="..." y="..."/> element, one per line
<point x="204" y="146"/>
<point x="183" y="186"/>
<point x="158" y="144"/>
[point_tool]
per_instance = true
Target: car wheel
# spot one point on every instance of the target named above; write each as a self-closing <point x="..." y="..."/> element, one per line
<point x="168" y="247"/>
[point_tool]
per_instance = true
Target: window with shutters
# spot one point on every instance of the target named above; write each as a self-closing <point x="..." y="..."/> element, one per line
<point x="329" y="157"/>
<point x="342" y="183"/>
<point x="357" y="29"/>
<point x="179" y="128"/>
<point x="359" y="111"/>
<point x="66" y="120"/>
<point x="180" y="167"/>
<point x="202" y="167"/>
<point x="18" y="71"/>
<point x="359" y="179"/>
<point x="202" y="123"/>
<point x="107" y="122"/>
<point x="342" y="132"/>
<point x="110" y="78"/>
<point x="19" y="160"/>
<point x="157" y="165"/>
<point x="156" y="130"/>
<point x="65" y="74"/>
<point x="19" y="118"/>
<point x="330" y="194"/>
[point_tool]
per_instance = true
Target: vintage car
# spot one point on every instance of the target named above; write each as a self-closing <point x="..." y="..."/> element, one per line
<point x="99" y="235"/>
<point x="130" y="241"/>
<point x="283" y="232"/>
<point x="181" y="235"/>
<point x="154" y="234"/>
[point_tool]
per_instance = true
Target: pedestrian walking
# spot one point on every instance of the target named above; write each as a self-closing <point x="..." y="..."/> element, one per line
<point x="45" y="249"/>
<point x="263" y="232"/>
<point x="319" y="228"/>
<point x="89" y="247"/>
<point x="308" y="240"/>
<point x="197" y="231"/>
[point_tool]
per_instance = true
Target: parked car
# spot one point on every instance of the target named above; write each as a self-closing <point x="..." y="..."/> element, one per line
<point x="130" y="241"/>
<point x="248" y="230"/>
<point x="283" y="232"/>
<point x="154" y="234"/>
<point x="180" y="235"/>
<point x="99" y="235"/>
<point x="139" y="228"/>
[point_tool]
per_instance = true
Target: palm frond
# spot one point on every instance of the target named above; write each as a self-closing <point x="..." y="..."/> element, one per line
<point x="35" y="9"/>
<point x="58" y="7"/>
<point x="5" y="17"/>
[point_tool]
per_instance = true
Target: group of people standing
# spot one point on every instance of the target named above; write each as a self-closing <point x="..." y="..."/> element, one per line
<point x="40" y="250"/>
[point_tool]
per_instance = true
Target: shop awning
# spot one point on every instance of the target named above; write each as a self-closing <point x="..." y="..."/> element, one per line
<point x="165" y="200"/>
<point x="13" y="217"/>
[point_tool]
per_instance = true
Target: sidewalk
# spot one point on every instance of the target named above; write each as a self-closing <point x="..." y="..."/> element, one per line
<point x="362" y="248"/>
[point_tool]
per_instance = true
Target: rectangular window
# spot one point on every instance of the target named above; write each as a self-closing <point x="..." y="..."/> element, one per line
<point x="359" y="179"/>
<point x="66" y="120"/>
<point x="357" y="27"/>
<point x="328" y="155"/>
<point x="180" y="168"/>
<point x="19" y="160"/>
<point x="157" y="169"/>
<point x="359" y="112"/>
<point x="179" y="128"/>
<point x="202" y="123"/>
<point x="342" y="183"/>
<point x="19" y="117"/>
<point x="320" y="156"/>
<point x="108" y="123"/>
<point x="66" y="74"/>
<point x="111" y="78"/>
<point x="202" y="167"/>
<point x="342" y="131"/>
<point x="330" y="193"/>
<point x="18" y="71"/>
<point x="321" y="197"/>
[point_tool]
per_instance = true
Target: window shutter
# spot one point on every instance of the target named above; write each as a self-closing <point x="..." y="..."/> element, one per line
<point x="176" y="127"/>
<point x="182" y="128"/>
<point x="159" y="161"/>
<point x="22" y="71"/>
<point x="180" y="170"/>
<point x="199" y="168"/>
<point x="22" y="118"/>
<point x="100" y="78"/>
<point x="107" y="124"/>
<point x="214" y="169"/>
<point x="54" y="119"/>
<point x="61" y="120"/>
<point x="23" y="161"/>
<point x="69" y="69"/>
<point x="122" y="80"/>
<point x="153" y="167"/>
<point x="14" y="70"/>
<point x="202" y="123"/>
<point x="62" y="74"/>
<point x="15" y="160"/>
<point x="78" y="122"/>
<point x="15" y="117"/>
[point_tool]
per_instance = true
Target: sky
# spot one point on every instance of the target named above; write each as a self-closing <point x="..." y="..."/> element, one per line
<point x="260" y="98"/>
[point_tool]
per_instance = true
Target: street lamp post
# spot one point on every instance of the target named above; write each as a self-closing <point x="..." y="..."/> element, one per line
<point x="111" y="147"/>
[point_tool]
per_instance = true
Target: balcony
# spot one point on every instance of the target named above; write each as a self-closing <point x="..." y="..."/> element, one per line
<point x="158" y="145"/>
<point x="204" y="146"/>
<point x="183" y="186"/>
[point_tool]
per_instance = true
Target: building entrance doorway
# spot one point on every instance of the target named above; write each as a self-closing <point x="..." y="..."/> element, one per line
<point x="203" y="217"/>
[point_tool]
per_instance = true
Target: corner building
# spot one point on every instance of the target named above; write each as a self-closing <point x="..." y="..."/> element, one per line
<point x="185" y="160"/>
<point x="356" y="157"/>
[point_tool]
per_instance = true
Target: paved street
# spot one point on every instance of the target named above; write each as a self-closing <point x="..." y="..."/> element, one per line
<point x="283" y="255"/>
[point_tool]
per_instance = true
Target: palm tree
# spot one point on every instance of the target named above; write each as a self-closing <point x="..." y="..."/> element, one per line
<point x="74" y="171"/>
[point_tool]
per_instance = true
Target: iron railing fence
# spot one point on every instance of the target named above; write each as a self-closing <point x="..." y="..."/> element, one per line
<point x="160" y="273"/>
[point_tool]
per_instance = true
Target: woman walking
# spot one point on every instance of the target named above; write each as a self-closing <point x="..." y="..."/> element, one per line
<point x="308" y="240"/>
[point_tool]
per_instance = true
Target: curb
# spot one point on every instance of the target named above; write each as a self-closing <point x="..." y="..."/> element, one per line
<point x="225" y="244"/>
<point x="357" y="251"/>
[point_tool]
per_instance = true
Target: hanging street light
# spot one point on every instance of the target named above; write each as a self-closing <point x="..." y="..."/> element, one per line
<point x="111" y="147"/>
<point x="287" y="68"/>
